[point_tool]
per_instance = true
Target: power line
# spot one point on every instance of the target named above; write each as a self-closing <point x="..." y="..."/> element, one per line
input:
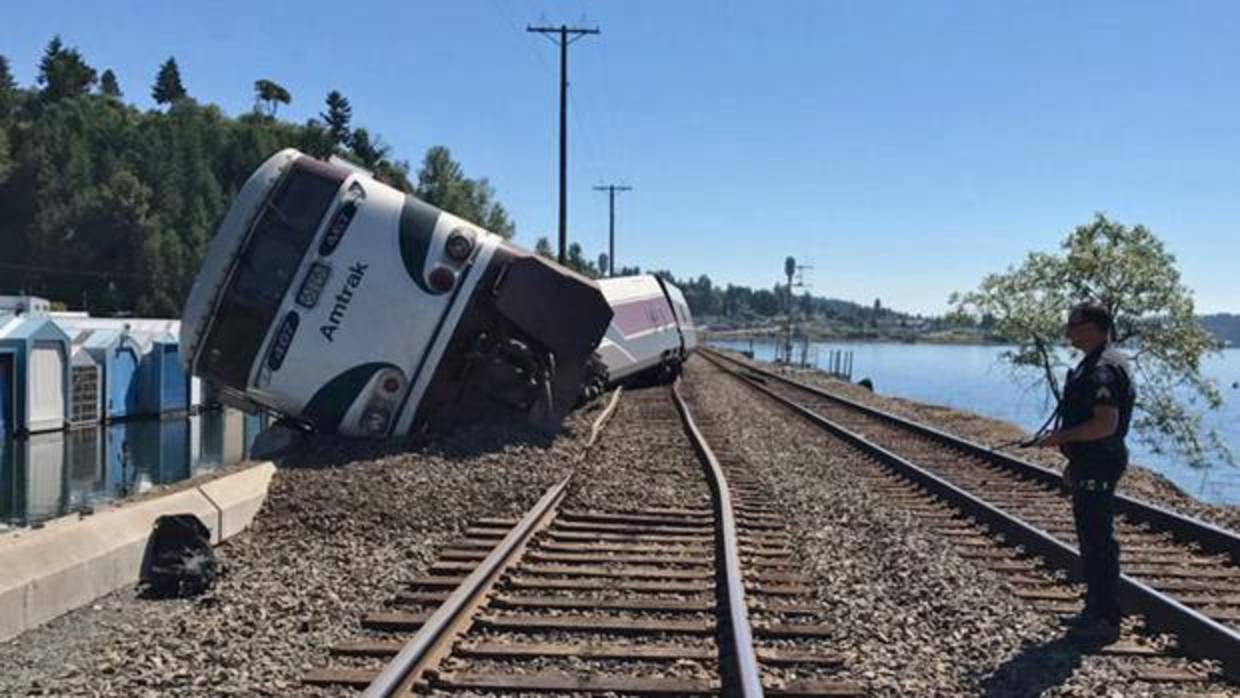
<point x="567" y="35"/>
<point x="611" y="190"/>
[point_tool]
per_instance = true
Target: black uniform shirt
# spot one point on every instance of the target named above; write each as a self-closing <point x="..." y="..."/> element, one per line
<point x="1101" y="379"/>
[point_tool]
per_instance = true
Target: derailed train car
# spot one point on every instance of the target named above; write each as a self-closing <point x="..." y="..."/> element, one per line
<point x="651" y="332"/>
<point x="354" y="308"/>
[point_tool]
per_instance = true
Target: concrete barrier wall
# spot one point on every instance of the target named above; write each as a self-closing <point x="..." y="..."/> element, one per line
<point x="72" y="561"/>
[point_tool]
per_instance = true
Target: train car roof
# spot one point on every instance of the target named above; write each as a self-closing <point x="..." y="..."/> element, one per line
<point x="622" y="288"/>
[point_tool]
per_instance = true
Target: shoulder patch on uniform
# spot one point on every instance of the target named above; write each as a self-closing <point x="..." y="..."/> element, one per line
<point x="1104" y="375"/>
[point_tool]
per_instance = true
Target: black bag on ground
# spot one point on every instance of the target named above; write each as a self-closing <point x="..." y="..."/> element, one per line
<point x="179" y="559"/>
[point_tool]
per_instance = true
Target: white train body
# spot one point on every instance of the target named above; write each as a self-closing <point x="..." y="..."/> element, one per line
<point x="651" y="327"/>
<point x="353" y="307"/>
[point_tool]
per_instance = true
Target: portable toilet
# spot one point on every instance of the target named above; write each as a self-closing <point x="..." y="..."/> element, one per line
<point x="39" y="374"/>
<point x="165" y="383"/>
<point x="85" y="383"/>
<point x="7" y="383"/>
<point x="120" y="356"/>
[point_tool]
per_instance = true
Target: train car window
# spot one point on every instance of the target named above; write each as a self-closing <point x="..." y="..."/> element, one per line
<point x="304" y="199"/>
<point x="267" y="268"/>
<point x="234" y="342"/>
<point x="265" y="272"/>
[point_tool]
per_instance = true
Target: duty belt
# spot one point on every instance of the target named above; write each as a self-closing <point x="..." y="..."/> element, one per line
<point x="1095" y="485"/>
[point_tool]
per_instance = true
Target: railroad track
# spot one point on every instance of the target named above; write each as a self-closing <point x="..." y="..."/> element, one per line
<point x="1181" y="574"/>
<point x="698" y="599"/>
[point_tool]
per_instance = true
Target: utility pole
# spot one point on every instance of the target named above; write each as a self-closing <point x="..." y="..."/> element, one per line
<point x="611" y="190"/>
<point x="567" y="35"/>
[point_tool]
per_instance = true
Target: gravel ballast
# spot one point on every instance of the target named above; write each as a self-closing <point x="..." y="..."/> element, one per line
<point x="344" y="524"/>
<point x="913" y="616"/>
<point x="1138" y="481"/>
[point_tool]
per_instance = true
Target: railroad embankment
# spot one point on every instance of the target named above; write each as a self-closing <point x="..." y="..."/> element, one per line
<point x="1139" y="481"/>
<point x="347" y="525"/>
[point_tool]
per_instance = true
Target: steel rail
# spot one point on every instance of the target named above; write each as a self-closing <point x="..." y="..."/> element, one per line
<point x="1212" y="539"/>
<point x="741" y="651"/>
<point x="398" y="676"/>
<point x="433" y="638"/>
<point x="1198" y="635"/>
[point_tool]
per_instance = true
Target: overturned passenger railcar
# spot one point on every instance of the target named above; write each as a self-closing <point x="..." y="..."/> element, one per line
<point x="355" y="308"/>
<point x="651" y="332"/>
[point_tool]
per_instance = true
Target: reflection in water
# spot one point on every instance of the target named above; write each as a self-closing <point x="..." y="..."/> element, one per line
<point x="47" y="475"/>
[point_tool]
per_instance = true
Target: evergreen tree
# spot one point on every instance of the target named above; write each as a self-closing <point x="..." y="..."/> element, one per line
<point x="316" y="140"/>
<point x="108" y="86"/>
<point x="8" y="90"/>
<point x="168" y="88"/>
<point x="63" y="72"/>
<point x="126" y="200"/>
<point x="442" y="182"/>
<point x="272" y="95"/>
<point x="576" y="260"/>
<point x="337" y="118"/>
<point x="368" y="153"/>
<point x="542" y="248"/>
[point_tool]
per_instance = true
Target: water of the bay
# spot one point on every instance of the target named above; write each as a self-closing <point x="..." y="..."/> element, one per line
<point x="48" y="475"/>
<point x="974" y="378"/>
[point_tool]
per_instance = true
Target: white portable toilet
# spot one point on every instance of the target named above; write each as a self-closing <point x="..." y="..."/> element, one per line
<point x="34" y="354"/>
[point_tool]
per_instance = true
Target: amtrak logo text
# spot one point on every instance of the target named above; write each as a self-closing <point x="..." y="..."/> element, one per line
<point x="352" y="281"/>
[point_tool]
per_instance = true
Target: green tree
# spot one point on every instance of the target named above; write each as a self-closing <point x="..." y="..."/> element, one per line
<point x="576" y="260"/>
<point x="542" y="248"/>
<point x="108" y="86"/>
<point x="8" y="90"/>
<point x="443" y="183"/>
<point x="270" y="95"/>
<point x="367" y="152"/>
<point x="168" y="88"/>
<point x="1130" y="272"/>
<point x="125" y="200"/>
<point x="337" y="117"/>
<point x="63" y="72"/>
<point x="316" y="140"/>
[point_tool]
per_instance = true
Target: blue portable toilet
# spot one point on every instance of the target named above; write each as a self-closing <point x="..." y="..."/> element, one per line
<point x="165" y="383"/>
<point x="39" y="375"/>
<point x="120" y="356"/>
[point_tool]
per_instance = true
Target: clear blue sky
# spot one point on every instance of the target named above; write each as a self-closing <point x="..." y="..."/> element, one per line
<point x="902" y="149"/>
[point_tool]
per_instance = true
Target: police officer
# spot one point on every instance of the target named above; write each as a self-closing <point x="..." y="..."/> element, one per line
<point x="1094" y="418"/>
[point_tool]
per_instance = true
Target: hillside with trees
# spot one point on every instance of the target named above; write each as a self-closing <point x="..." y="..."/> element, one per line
<point x="109" y="207"/>
<point x="1224" y="326"/>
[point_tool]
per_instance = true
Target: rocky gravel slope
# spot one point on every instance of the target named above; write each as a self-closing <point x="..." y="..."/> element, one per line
<point x="913" y="617"/>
